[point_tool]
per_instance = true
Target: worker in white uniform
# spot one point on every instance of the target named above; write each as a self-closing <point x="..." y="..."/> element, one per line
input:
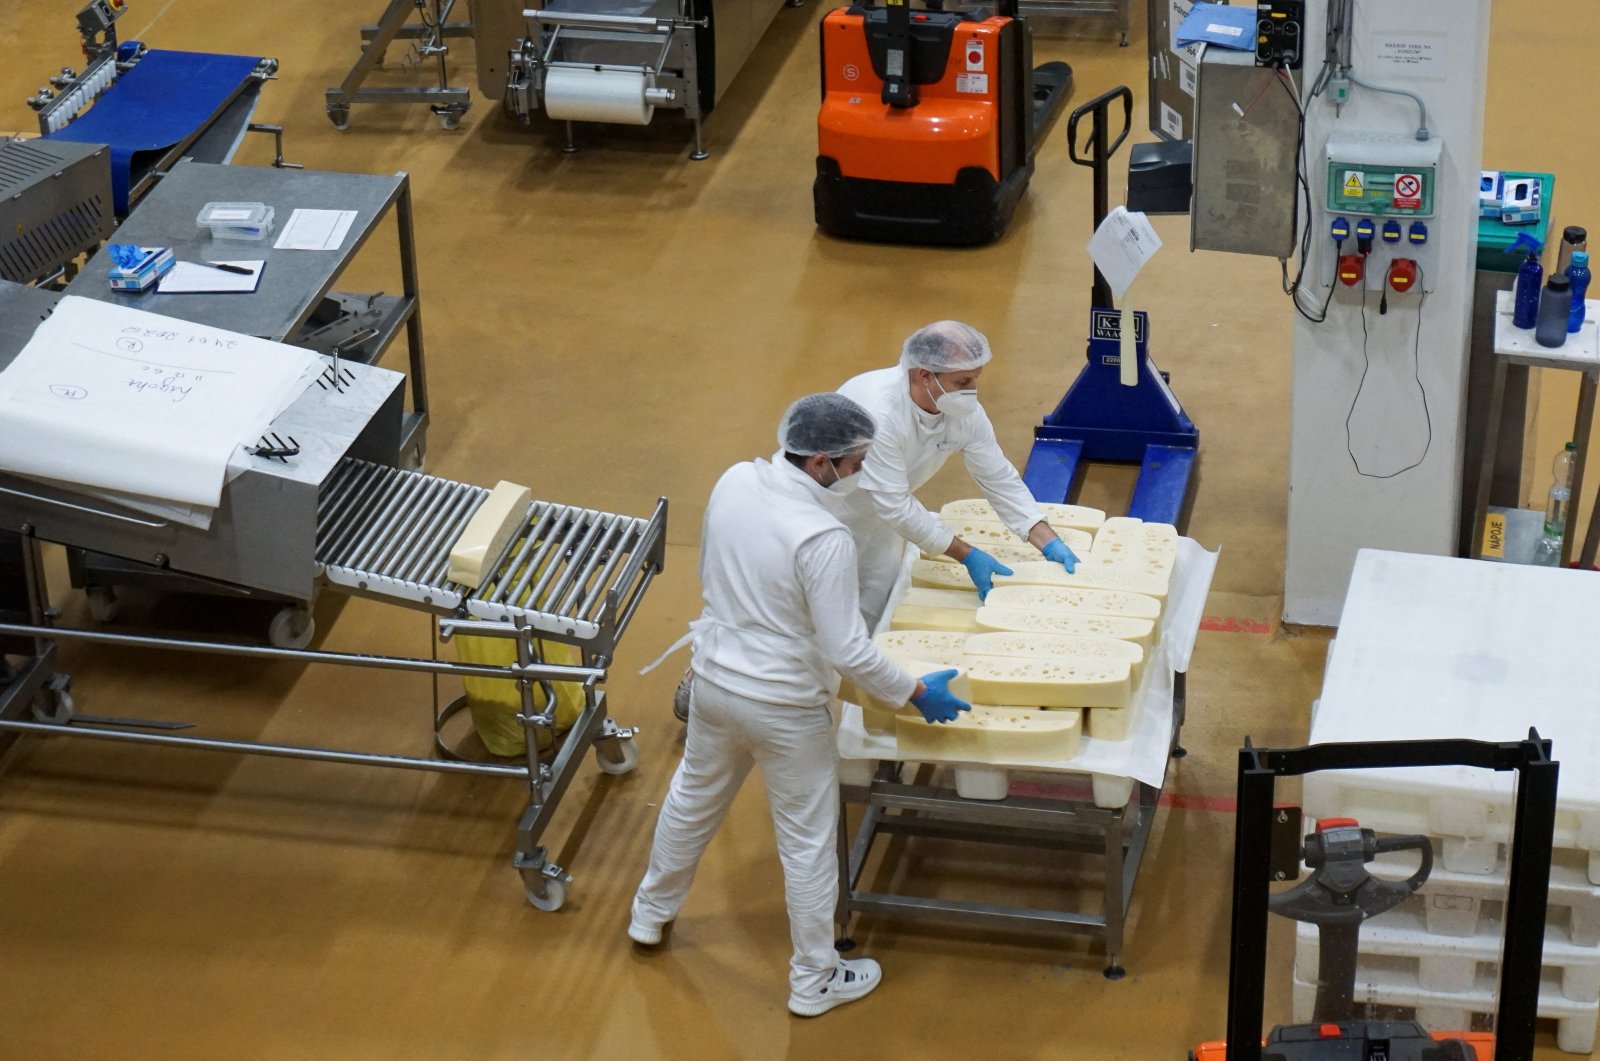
<point x="926" y="409"/>
<point x="782" y="620"/>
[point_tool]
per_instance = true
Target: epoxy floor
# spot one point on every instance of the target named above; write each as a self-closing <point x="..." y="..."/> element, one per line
<point x="608" y="327"/>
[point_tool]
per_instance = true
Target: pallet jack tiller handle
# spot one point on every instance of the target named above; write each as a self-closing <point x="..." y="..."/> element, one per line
<point x="1339" y="896"/>
<point x="1098" y="149"/>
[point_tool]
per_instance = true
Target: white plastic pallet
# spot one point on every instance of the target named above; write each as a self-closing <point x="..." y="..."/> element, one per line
<point x="1463" y="904"/>
<point x="1454" y="963"/>
<point x="1381" y="984"/>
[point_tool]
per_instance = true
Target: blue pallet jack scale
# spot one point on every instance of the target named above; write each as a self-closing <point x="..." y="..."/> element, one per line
<point x="1101" y="419"/>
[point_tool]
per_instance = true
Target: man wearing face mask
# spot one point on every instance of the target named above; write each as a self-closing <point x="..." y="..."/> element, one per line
<point x="926" y="408"/>
<point x="782" y="620"/>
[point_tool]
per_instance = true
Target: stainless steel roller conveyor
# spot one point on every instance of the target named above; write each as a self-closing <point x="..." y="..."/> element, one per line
<point x="335" y="516"/>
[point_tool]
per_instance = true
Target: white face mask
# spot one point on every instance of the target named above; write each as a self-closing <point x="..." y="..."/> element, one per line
<point x="957" y="405"/>
<point x="842" y="485"/>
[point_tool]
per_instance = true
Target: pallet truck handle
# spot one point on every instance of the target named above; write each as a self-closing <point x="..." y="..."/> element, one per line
<point x="1100" y="107"/>
<point x="1100" y="152"/>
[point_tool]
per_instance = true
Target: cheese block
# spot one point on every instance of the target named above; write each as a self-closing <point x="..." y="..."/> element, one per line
<point x="1116" y="575"/>
<point x="935" y="645"/>
<point x="1078" y="600"/>
<point x="1121" y="558"/>
<point x="985" y="533"/>
<point x="1050" y="682"/>
<point x="936" y="609"/>
<point x="1006" y="554"/>
<point x="848" y="690"/>
<point x="1077" y="517"/>
<point x="488" y="532"/>
<point x="1109" y="723"/>
<point x="1151" y="537"/>
<point x="992" y="735"/>
<point x="933" y="617"/>
<point x="1051" y="646"/>
<point x="1140" y="632"/>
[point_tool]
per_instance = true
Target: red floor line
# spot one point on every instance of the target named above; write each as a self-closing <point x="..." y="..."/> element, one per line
<point x="1185" y="801"/>
<point x="1231" y="625"/>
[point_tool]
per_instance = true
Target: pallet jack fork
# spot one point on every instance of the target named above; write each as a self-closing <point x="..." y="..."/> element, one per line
<point x="1100" y="419"/>
<point x="1340" y="894"/>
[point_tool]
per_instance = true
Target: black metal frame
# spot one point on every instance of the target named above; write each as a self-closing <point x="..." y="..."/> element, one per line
<point x="1527" y="890"/>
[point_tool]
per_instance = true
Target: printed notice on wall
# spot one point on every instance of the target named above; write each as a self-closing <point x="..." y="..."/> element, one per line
<point x="1419" y="55"/>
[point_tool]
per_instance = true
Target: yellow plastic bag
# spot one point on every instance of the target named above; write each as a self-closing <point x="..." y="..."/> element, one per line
<point x="494" y="702"/>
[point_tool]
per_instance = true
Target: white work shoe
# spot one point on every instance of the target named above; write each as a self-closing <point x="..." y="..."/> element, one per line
<point x="680" y="696"/>
<point x="851" y="980"/>
<point x="645" y="933"/>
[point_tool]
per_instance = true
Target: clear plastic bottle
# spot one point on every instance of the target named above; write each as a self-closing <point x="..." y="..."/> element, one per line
<point x="1548" y="552"/>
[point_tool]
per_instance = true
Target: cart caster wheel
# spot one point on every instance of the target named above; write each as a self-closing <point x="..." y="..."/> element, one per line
<point x="340" y="117"/>
<point x="54" y="708"/>
<point x="616" y="757"/>
<point x="1115" y="972"/>
<point x="291" y="628"/>
<point x="103" y="603"/>
<point x="844" y="945"/>
<point x="450" y="121"/>
<point x="549" y="896"/>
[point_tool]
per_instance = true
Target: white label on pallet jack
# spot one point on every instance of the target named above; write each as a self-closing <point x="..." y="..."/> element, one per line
<point x="975" y="54"/>
<point x="1120" y="247"/>
<point x="974" y="83"/>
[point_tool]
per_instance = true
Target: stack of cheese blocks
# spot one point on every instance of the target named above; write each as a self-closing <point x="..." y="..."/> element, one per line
<point x="1048" y="656"/>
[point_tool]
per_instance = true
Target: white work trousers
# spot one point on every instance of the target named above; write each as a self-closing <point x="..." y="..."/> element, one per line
<point x="794" y="746"/>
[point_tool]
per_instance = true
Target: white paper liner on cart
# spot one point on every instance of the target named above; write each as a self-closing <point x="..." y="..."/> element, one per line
<point x="1143" y="756"/>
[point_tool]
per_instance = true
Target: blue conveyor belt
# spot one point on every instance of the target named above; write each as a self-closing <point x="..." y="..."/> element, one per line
<point x="163" y="101"/>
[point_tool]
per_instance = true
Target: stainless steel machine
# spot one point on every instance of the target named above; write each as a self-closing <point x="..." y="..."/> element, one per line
<point x="608" y="61"/>
<point x="337" y="514"/>
<point x="55" y="204"/>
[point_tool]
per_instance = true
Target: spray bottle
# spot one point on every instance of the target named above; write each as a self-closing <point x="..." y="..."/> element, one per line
<point x="1525" y="312"/>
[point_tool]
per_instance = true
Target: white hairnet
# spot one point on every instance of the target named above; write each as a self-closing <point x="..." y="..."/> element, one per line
<point x="945" y="346"/>
<point x="827" y="423"/>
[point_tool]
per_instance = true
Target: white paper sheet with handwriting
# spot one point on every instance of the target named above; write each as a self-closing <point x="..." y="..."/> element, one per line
<point x="116" y="398"/>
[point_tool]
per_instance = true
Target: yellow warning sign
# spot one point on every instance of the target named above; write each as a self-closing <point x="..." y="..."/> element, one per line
<point x="1354" y="183"/>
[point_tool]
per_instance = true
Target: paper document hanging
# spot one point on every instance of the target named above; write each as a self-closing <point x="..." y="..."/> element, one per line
<point x="119" y="399"/>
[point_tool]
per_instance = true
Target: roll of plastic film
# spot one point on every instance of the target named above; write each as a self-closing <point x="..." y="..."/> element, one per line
<point x="583" y="94"/>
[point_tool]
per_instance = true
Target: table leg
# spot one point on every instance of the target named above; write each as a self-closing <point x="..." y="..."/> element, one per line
<point x="1580" y="436"/>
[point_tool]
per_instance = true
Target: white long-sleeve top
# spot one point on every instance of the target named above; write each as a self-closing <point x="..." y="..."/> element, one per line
<point x="782" y="614"/>
<point x="910" y="446"/>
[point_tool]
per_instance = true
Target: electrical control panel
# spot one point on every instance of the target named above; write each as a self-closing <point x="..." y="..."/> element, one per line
<point x="1381" y="188"/>
<point x="1279" y="27"/>
<point x="1382" y="176"/>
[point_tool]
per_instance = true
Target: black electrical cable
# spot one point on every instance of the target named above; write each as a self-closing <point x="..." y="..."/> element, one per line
<point x="1416" y="371"/>
<point x="1301" y="167"/>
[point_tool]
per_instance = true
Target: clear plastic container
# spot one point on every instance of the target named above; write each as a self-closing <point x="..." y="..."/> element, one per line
<point x="244" y="221"/>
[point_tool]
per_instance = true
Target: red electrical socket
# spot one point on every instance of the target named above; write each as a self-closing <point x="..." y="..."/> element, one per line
<point x="1351" y="269"/>
<point x="1402" y="274"/>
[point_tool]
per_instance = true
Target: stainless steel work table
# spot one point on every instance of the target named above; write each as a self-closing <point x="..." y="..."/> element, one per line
<point x="293" y="282"/>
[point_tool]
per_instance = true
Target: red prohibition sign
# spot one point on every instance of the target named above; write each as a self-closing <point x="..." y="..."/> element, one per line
<point x="1407" y="186"/>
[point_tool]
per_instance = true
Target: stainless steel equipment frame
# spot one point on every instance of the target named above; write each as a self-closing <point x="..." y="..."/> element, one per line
<point x="1055" y="825"/>
<point x="1120" y="9"/>
<point x="674" y="74"/>
<point x="571" y="575"/>
<point x="447" y="101"/>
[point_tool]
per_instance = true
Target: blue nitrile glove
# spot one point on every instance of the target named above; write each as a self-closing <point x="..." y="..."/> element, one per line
<point x="937" y="703"/>
<point x="1061" y="554"/>
<point x="983" y="567"/>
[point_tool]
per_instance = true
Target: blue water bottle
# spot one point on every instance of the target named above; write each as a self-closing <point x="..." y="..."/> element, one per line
<point x="1525" y="312"/>
<point x="1578" y="276"/>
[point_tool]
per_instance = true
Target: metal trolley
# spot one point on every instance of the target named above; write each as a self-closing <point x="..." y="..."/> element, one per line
<point x="571" y="575"/>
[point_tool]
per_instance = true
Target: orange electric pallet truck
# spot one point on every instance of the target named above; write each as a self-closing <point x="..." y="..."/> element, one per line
<point x="1340" y="894"/>
<point x="929" y="121"/>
